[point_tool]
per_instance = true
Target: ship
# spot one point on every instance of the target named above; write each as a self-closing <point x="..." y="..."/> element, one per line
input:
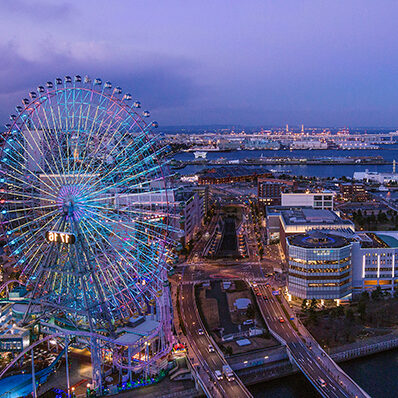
<point x="200" y="154"/>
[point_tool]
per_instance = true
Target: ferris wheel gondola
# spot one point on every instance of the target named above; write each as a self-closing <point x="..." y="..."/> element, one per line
<point x="83" y="192"/>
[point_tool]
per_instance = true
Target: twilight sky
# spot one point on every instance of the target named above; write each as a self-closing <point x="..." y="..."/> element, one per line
<point x="249" y="62"/>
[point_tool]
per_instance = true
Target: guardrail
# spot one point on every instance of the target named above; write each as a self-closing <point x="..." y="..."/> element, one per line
<point x="367" y="350"/>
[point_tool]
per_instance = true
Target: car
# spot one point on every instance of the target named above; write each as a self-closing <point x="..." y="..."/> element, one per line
<point x="258" y="294"/>
<point x="254" y="284"/>
<point x="218" y="374"/>
<point x="248" y="322"/>
<point x="211" y="348"/>
<point x="281" y="320"/>
<point x="322" y="382"/>
<point x="201" y="332"/>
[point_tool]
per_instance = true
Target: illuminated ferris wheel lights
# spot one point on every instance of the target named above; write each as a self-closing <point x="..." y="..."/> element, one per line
<point x="83" y="162"/>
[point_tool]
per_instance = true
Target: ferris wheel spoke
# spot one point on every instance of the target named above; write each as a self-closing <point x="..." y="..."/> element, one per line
<point x="76" y="150"/>
<point x="127" y="130"/>
<point x="30" y="196"/>
<point x="29" y="223"/>
<point x="29" y="242"/>
<point x="127" y="252"/>
<point x="132" y="142"/>
<point x="26" y="209"/>
<point x="102" y="138"/>
<point x="119" y="223"/>
<point x="111" y="263"/>
<point x="34" y="187"/>
<point x="127" y="180"/>
<point x="24" y="167"/>
<point x="57" y="132"/>
<point x="129" y="159"/>
<point x="154" y="232"/>
<point x="96" y="260"/>
<point x="31" y="147"/>
<point x="44" y="130"/>
<point x="138" y="212"/>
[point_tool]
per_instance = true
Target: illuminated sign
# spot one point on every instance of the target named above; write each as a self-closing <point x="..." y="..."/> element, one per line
<point x="60" y="237"/>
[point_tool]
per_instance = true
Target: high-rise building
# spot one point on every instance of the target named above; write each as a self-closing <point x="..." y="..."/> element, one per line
<point x="319" y="266"/>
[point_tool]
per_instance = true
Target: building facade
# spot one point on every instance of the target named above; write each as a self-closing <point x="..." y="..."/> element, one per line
<point x="353" y="192"/>
<point x="269" y="190"/>
<point x="319" y="266"/>
<point x="191" y="209"/>
<point x="375" y="259"/>
<point x="316" y="200"/>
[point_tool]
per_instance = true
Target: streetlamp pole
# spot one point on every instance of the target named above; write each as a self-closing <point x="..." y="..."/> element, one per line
<point x="33" y="376"/>
<point x="67" y="364"/>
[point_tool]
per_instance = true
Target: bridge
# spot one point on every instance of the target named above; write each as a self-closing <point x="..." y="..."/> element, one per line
<point x="322" y="372"/>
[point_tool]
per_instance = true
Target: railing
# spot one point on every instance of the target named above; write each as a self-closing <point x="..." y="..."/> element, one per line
<point x="367" y="350"/>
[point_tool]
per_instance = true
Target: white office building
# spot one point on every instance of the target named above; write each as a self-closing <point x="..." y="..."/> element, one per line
<point x="316" y="200"/>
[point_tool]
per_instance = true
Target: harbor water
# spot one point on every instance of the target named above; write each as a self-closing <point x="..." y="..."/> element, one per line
<point x="376" y="374"/>
<point x="388" y="152"/>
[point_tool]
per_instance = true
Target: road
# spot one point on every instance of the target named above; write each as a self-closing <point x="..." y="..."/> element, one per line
<point x="198" y="347"/>
<point x="307" y="355"/>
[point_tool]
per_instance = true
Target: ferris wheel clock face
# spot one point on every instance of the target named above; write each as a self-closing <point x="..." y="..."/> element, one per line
<point x="82" y="187"/>
<point x="60" y="237"/>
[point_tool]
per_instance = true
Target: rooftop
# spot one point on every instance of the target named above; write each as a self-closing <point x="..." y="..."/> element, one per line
<point x="318" y="240"/>
<point x="384" y="239"/>
<point x="308" y="216"/>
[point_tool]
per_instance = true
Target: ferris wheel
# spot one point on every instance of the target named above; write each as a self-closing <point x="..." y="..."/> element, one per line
<point x="84" y="204"/>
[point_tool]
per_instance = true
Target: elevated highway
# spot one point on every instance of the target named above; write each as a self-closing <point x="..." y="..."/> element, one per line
<point x="323" y="373"/>
<point x="204" y="362"/>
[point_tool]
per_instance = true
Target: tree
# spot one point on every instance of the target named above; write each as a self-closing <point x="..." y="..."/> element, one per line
<point x="250" y="312"/>
<point x="349" y="314"/>
<point x="362" y="309"/>
<point x="364" y="296"/>
<point x="377" y="293"/>
<point x="313" y="317"/>
<point x="313" y="304"/>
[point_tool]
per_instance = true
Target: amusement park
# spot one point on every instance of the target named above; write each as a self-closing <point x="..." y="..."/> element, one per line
<point x="88" y="239"/>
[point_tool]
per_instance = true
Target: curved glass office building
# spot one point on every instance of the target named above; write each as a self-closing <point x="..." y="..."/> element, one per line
<point x="319" y="266"/>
